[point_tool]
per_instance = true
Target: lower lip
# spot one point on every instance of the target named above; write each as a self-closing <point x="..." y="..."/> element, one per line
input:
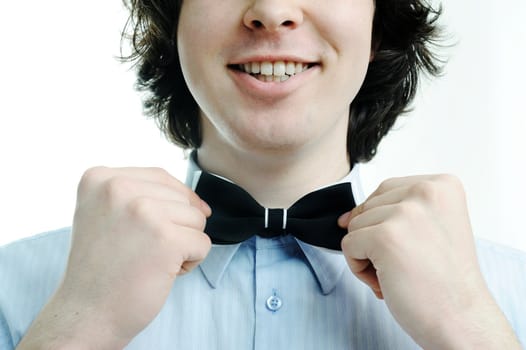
<point x="271" y="90"/>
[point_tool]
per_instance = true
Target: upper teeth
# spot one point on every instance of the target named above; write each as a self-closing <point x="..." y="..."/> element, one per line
<point x="277" y="69"/>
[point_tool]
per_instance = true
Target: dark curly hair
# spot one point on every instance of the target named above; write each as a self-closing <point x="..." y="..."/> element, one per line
<point x="404" y="34"/>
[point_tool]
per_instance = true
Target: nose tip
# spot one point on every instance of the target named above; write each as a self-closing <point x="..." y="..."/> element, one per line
<point x="272" y="16"/>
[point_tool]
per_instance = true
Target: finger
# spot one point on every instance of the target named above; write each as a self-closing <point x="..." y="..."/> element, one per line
<point x="194" y="246"/>
<point x="124" y="188"/>
<point x="389" y="198"/>
<point x="161" y="176"/>
<point x="98" y="175"/>
<point x="369" y="276"/>
<point x="159" y="214"/>
<point x="392" y="196"/>
<point x="377" y="199"/>
<point x="365" y="271"/>
<point x="396" y="182"/>
<point x="184" y="195"/>
<point x="373" y="216"/>
<point x="360" y="244"/>
<point x="186" y="215"/>
<point x="180" y="214"/>
<point x="345" y="219"/>
<point x="151" y="174"/>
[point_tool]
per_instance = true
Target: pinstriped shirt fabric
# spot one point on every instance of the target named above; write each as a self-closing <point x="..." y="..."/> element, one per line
<point x="224" y="304"/>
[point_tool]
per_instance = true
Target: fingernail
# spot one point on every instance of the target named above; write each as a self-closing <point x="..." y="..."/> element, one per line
<point x="343" y="220"/>
<point x="206" y="207"/>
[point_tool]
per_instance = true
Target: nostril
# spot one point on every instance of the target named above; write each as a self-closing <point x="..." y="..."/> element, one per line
<point x="287" y="23"/>
<point x="257" y="24"/>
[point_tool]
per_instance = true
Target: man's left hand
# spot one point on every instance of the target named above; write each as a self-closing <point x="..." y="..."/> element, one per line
<point x="411" y="242"/>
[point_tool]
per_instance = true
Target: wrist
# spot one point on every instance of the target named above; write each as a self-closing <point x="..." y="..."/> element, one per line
<point x="63" y="325"/>
<point x="480" y="324"/>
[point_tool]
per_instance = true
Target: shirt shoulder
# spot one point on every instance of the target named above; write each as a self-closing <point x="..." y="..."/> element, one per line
<point x="484" y="245"/>
<point x="30" y="270"/>
<point x="504" y="269"/>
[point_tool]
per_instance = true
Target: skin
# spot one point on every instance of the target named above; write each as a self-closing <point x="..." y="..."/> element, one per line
<point x="410" y="241"/>
<point x="282" y="139"/>
<point x="134" y="231"/>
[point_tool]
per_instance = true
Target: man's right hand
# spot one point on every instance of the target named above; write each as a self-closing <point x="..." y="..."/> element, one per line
<point x="134" y="231"/>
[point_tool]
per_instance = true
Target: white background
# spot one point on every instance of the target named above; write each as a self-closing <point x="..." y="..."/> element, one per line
<point x="67" y="104"/>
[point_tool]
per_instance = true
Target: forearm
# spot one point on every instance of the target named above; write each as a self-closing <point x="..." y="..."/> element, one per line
<point x="63" y="326"/>
<point x="483" y="326"/>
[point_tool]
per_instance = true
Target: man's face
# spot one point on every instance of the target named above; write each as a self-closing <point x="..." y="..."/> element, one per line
<point x="274" y="74"/>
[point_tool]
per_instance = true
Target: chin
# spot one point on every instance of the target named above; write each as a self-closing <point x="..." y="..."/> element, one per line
<point x="271" y="142"/>
<point x="270" y="132"/>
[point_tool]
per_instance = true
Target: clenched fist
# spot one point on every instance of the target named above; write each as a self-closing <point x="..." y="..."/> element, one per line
<point x="134" y="231"/>
<point x="411" y="242"/>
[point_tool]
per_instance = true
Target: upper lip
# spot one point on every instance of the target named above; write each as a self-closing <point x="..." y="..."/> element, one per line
<point x="272" y="58"/>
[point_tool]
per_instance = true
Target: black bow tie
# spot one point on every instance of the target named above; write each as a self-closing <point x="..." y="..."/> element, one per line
<point x="236" y="216"/>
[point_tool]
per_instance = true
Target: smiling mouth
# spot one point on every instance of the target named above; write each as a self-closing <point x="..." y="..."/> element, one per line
<point x="267" y="71"/>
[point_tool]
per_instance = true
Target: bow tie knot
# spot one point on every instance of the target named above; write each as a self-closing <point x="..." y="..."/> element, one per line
<point x="275" y="219"/>
<point x="236" y="216"/>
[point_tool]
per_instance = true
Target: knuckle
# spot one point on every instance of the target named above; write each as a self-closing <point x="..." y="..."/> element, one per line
<point x="203" y="247"/>
<point x="186" y="197"/>
<point x="451" y="181"/>
<point x="362" y="208"/>
<point x="408" y="214"/>
<point x="439" y="190"/>
<point x="346" y="242"/>
<point x="161" y="231"/>
<point x="140" y="207"/>
<point x="426" y="190"/>
<point x="452" y="189"/>
<point x="388" y="183"/>
<point x="161" y="173"/>
<point x="116" y="188"/>
<point x="206" y="243"/>
<point x="163" y="176"/>
<point x="94" y="172"/>
<point x="198" y="219"/>
<point x="447" y="178"/>
<point x="407" y="209"/>
<point x="202" y="222"/>
<point x="187" y="216"/>
<point x="390" y="234"/>
<point x="92" y="176"/>
<point x="352" y="223"/>
<point x="384" y="185"/>
<point x="191" y="245"/>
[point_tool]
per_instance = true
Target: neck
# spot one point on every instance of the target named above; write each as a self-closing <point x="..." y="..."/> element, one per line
<point x="278" y="178"/>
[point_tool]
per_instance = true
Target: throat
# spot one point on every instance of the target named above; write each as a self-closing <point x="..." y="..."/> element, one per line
<point x="275" y="182"/>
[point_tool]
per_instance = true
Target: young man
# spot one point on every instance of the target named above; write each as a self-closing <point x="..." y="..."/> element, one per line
<point x="281" y="98"/>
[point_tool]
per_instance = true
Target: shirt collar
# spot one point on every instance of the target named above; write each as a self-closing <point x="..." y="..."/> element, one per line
<point x="327" y="265"/>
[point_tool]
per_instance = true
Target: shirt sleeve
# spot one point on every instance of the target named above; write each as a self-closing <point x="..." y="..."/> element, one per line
<point x="30" y="271"/>
<point x="6" y="343"/>
<point x="504" y="269"/>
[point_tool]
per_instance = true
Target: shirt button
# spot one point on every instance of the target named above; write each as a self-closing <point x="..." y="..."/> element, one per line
<point x="274" y="303"/>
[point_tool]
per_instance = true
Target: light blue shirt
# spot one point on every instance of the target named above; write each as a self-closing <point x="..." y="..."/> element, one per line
<point x="276" y="293"/>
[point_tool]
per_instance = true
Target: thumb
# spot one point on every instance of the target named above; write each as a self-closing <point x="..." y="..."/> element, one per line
<point x="345" y="219"/>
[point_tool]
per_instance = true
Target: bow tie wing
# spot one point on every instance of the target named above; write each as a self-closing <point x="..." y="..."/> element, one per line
<point x="314" y="217"/>
<point x="235" y="213"/>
